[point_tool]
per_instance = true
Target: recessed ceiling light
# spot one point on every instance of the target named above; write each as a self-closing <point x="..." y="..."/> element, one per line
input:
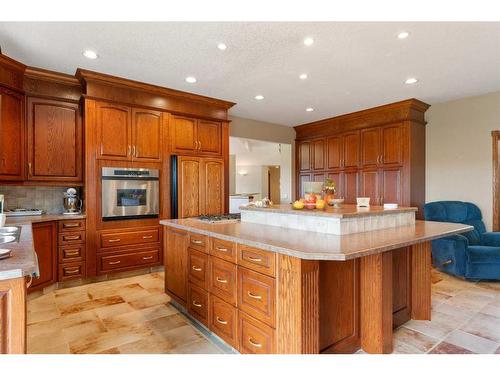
<point x="191" y="79"/>
<point x="411" y="81"/>
<point x="403" y="35"/>
<point x="221" y="46"/>
<point x="309" y="109"/>
<point x="308" y="41"/>
<point x="259" y="97"/>
<point x="303" y="76"/>
<point x="89" y="54"/>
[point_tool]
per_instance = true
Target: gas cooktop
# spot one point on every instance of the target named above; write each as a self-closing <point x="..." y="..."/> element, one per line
<point x="23" y="212"/>
<point x="220" y="218"/>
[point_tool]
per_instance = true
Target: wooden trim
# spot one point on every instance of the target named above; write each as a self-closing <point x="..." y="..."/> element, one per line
<point x="13" y="316"/>
<point x="496" y="179"/>
<point x="406" y="110"/>
<point x="11" y="73"/>
<point x="50" y="75"/>
<point x="421" y="281"/>
<point x="297" y="306"/>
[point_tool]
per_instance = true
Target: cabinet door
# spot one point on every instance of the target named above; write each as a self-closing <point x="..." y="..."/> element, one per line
<point x="306" y="177"/>
<point x="334" y="152"/>
<point x="113" y="132"/>
<point x="392" y="144"/>
<point x="370" y="186"/>
<point x="11" y="135"/>
<point x="213" y="186"/>
<point x="54" y="141"/>
<point x="319" y="177"/>
<point x="318" y="154"/>
<point x="351" y="186"/>
<point x="351" y="150"/>
<point x="147" y="135"/>
<point x="176" y="259"/>
<point x="391" y="186"/>
<point x="370" y="147"/>
<point x="184" y="138"/>
<point x="189" y="186"/>
<point x="209" y="136"/>
<point x="45" y="243"/>
<point x="337" y="179"/>
<point x="304" y="152"/>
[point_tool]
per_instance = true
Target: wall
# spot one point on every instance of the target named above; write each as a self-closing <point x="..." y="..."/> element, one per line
<point x="459" y="151"/>
<point x="251" y="181"/>
<point x="49" y="199"/>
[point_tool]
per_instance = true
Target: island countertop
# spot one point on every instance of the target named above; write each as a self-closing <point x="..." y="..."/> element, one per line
<point x="320" y="246"/>
<point x="345" y="211"/>
<point x="23" y="261"/>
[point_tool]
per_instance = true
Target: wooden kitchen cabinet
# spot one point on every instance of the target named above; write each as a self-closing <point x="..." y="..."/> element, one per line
<point x="200" y="186"/>
<point x="12" y="135"/>
<point x="382" y="146"/>
<point x="13" y="320"/>
<point x="176" y="261"/>
<point x="335" y="152"/>
<point x="147" y="135"/>
<point x="45" y="244"/>
<point x="55" y="141"/>
<point x="351" y="145"/>
<point x="304" y="156"/>
<point x="318" y="154"/>
<point x="194" y="136"/>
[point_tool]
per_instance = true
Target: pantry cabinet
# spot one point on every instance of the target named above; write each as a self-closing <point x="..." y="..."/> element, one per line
<point x="195" y="136"/>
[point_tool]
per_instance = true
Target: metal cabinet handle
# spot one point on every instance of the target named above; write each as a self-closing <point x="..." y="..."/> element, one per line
<point x="222" y="281"/>
<point x="129" y="150"/>
<point x="197" y="269"/>
<point x="72" y="237"/>
<point x="116" y="262"/>
<point x="30" y="169"/>
<point x="114" y="240"/>
<point x="221" y="321"/>
<point x="72" y="272"/>
<point x="146" y="237"/>
<point x="254" y="296"/>
<point x="197" y="304"/>
<point x="223" y="249"/>
<point x="71" y="253"/>
<point x="71" y="225"/>
<point x="256" y="344"/>
<point x="200" y="145"/>
<point x="255" y="259"/>
<point x="147" y="258"/>
<point x="197" y="242"/>
<point x="134" y="152"/>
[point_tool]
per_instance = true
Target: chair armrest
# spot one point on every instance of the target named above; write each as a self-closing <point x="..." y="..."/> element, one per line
<point x="449" y="254"/>
<point x="490" y="239"/>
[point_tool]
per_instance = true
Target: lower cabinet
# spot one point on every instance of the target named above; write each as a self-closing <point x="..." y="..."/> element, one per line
<point x="45" y="244"/>
<point x="231" y="290"/>
<point x="13" y="316"/>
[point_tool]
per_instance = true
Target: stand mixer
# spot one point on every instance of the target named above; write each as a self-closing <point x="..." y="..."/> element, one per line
<point x="72" y="204"/>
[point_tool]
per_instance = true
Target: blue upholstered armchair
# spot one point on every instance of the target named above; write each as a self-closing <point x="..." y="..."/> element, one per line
<point x="473" y="255"/>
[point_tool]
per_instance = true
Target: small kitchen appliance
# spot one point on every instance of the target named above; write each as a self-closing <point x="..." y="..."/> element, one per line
<point x="72" y="204"/>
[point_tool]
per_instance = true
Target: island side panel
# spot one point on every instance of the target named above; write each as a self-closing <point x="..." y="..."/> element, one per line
<point x="13" y="316"/>
<point x="376" y="303"/>
<point x="297" y="312"/>
<point x="421" y="281"/>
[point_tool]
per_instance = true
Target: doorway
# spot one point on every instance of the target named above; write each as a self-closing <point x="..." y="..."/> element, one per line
<point x="273" y="183"/>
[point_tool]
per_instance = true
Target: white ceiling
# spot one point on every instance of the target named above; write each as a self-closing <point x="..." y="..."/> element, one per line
<point x="351" y="66"/>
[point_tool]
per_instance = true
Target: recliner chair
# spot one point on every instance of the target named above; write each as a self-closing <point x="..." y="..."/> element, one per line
<point x="473" y="255"/>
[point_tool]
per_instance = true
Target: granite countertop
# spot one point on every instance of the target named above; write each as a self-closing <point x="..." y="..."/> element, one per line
<point x="23" y="261"/>
<point x="18" y="220"/>
<point x="320" y="246"/>
<point x="346" y="210"/>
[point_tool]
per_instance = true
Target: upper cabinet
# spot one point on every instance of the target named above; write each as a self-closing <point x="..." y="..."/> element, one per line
<point x="194" y="136"/>
<point x="55" y="141"/>
<point x="382" y="145"/>
<point x="304" y="155"/>
<point x="125" y="133"/>
<point x="12" y="135"/>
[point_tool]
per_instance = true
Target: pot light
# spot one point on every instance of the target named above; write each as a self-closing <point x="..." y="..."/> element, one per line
<point x="303" y="76"/>
<point x="309" y="109"/>
<point x="403" y="35"/>
<point x="259" y="97"/>
<point x="411" y="81"/>
<point x="221" y="46"/>
<point x="89" y="54"/>
<point x="191" y="79"/>
<point x="308" y="41"/>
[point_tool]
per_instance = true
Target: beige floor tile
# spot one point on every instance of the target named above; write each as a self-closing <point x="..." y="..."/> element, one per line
<point x="166" y="323"/>
<point x="46" y="327"/>
<point x="422" y="343"/>
<point x="180" y="336"/>
<point x="82" y="330"/>
<point x="149" y="300"/>
<point x="42" y="316"/>
<point x="484" y="325"/>
<point x="447" y="348"/>
<point x="90" y="305"/>
<point x="492" y="308"/>
<point x="113" y="310"/>
<point x="72" y="298"/>
<point x="440" y="325"/>
<point x="110" y="351"/>
<point x="52" y="342"/>
<point x="198" y="347"/>
<point x="471" y="342"/>
<point x="138" y="316"/>
<point x="149" y="345"/>
<point x="42" y="303"/>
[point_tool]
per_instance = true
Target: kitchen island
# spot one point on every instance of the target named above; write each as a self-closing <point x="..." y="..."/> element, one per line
<point x="271" y="288"/>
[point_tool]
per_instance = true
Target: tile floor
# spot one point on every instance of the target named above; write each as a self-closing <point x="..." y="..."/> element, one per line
<point x="131" y="315"/>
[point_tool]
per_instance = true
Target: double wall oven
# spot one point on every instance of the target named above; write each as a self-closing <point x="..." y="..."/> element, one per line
<point x="129" y="193"/>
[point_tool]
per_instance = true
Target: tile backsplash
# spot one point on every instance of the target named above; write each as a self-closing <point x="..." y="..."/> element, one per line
<point x="49" y="199"/>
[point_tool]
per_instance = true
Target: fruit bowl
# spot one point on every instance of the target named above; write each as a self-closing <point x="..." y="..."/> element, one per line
<point x="336" y="202"/>
<point x="310" y="205"/>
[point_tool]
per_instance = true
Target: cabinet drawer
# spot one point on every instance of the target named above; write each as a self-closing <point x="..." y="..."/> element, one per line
<point x="71" y="225"/>
<point x="198" y="303"/>
<point x="71" y="238"/>
<point x="223" y="249"/>
<point x="224" y="321"/>
<point x="129" y="260"/>
<point x="73" y="253"/>
<point x="223" y="280"/>
<point x="198" y="242"/>
<point x="69" y="271"/>
<point x="257" y="260"/>
<point x="198" y="268"/>
<point x="255" y="337"/>
<point x="129" y="238"/>
<point x="256" y="295"/>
